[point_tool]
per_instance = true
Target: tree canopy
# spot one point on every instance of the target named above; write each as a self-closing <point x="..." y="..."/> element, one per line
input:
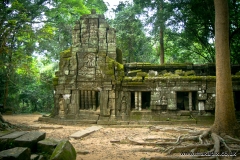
<point x="33" y="33"/>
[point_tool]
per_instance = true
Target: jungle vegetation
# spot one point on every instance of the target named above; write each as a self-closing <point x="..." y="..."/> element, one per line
<point x="34" y="32"/>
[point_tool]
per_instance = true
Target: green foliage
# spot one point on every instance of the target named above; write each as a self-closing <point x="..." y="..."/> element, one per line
<point x="131" y="39"/>
<point x="33" y="33"/>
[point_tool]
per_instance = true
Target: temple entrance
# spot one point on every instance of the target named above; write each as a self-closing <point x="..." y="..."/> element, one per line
<point x="140" y="100"/>
<point x="236" y="96"/>
<point x="89" y="100"/>
<point x="132" y="100"/>
<point x="186" y="100"/>
<point x="146" y="98"/>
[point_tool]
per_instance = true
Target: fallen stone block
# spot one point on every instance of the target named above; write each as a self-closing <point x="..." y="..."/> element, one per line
<point x="85" y="132"/>
<point x="30" y="140"/>
<point x="3" y="133"/>
<point x="38" y="157"/>
<point x="6" y="141"/>
<point x="13" y="135"/>
<point x="47" y="146"/>
<point x="17" y="153"/>
<point x="63" y="151"/>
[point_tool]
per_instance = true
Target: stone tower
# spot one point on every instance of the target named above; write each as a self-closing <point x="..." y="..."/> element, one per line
<point x="87" y="73"/>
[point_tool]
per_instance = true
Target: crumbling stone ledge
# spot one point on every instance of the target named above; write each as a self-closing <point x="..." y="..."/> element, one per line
<point x="22" y="145"/>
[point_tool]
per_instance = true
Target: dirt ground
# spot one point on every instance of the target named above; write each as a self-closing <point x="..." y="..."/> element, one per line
<point x="99" y="145"/>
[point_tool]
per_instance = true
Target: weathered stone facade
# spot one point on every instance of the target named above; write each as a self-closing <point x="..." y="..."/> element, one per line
<point x="93" y="85"/>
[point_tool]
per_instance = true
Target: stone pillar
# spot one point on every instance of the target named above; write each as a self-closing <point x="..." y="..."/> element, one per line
<point x="201" y="105"/>
<point x="136" y="100"/>
<point x="94" y="100"/>
<point x="86" y="100"/>
<point x="90" y="100"/>
<point x="190" y="100"/>
<point x="82" y="99"/>
<point x="140" y="101"/>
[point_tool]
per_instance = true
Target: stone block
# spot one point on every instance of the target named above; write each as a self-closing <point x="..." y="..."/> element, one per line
<point x="102" y="40"/>
<point x="13" y="135"/>
<point x="102" y="46"/>
<point x="85" y="132"/>
<point x="63" y="151"/>
<point x="17" y="153"/>
<point x="30" y="140"/>
<point x="211" y="90"/>
<point x="111" y="47"/>
<point x="47" y="145"/>
<point x="202" y="96"/>
<point x="93" y="21"/>
<point x="94" y="16"/>
<point x="103" y="23"/>
<point x="112" y="55"/>
<point x="84" y="42"/>
<point x="6" y="140"/>
<point x="93" y="33"/>
<point x="102" y="33"/>
<point x="112" y="94"/>
<point x="92" y="50"/>
<point x="111" y="35"/>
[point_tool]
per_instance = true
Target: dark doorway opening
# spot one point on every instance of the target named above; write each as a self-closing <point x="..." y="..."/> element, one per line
<point x="183" y="100"/>
<point x="146" y="98"/>
<point x="89" y="100"/>
<point x="236" y="95"/>
<point x="132" y="100"/>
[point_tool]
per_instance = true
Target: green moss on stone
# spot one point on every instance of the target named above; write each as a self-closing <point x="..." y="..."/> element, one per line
<point x="127" y="79"/>
<point x="236" y="78"/>
<point x="66" y="53"/>
<point x="55" y="81"/>
<point x="141" y="74"/>
<point x="137" y="79"/>
<point x="189" y="73"/>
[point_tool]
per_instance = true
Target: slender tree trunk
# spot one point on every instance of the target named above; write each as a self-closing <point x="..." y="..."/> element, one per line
<point x="161" y="34"/>
<point x="225" y="119"/>
<point x="6" y="92"/>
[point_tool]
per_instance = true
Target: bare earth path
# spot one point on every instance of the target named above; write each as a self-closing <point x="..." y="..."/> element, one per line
<point x="99" y="145"/>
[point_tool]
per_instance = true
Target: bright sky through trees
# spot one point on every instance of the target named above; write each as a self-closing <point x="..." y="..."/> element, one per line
<point x="112" y="4"/>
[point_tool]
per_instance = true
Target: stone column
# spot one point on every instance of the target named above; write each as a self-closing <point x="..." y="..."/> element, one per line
<point x="136" y="100"/>
<point x="94" y="100"/>
<point x="86" y="100"/>
<point x="90" y="100"/>
<point x="201" y="105"/>
<point x="190" y="100"/>
<point x="82" y="99"/>
<point x="140" y="101"/>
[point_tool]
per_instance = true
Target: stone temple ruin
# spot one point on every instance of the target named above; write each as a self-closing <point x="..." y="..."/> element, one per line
<point x="94" y="86"/>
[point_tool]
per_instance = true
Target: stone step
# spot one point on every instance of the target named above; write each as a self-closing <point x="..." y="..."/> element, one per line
<point x="17" y="153"/>
<point x="13" y="135"/>
<point x="6" y="141"/>
<point x="30" y="140"/>
<point x="3" y="133"/>
<point x="37" y="148"/>
<point x="85" y="132"/>
<point x="47" y="145"/>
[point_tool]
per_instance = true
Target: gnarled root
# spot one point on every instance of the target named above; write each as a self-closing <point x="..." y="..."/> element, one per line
<point x="204" y="145"/>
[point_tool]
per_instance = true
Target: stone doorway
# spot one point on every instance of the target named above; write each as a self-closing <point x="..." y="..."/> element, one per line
<point x="146" y="98"/>
<point x="140" y="100"/>
<point x="236" y="96"/>
<point x="89" y="100"/>
<point x="186" y="100"/>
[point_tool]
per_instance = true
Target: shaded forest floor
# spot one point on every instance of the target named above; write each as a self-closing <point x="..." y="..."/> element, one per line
<point x="110" y="142"/>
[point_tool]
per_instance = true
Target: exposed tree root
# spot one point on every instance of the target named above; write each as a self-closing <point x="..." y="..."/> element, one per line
<point x="4" y="124"/>
<point x="204" y="145"/>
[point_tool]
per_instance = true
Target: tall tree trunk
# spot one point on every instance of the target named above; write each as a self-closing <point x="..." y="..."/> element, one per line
<point x="225" y="119"/>
<point x="161" y="33"/>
